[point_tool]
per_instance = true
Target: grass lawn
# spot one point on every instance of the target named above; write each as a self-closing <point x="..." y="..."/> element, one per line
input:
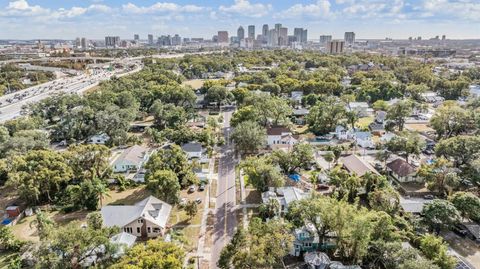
<point x="363" y="123"/>
<point x="178" y="217"/>
<point x="127" y="197"/>
<point x="194" y="83"/>
<point x="6" y="258"/>
<point x="190" y="234"/>
<point x="419" y="127"/>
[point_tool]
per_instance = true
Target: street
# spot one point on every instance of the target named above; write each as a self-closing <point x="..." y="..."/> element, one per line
<point x="225" y="217"/>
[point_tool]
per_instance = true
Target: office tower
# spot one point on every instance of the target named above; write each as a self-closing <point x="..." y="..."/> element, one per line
<point x="222" y="37"/>
<point x="419" y="38"/>
<point x="78" y="42"/>
<point x="150" y="39"/>
<point x="324" y="39"/>
<point x="300" y="35"/>
<point x="349" y="38"/>
<point x="277" y="27"/>
<point x="251" y="31"/>
<point x="112" y="41"/>
<point x="165" y="40"/>
<point x="283" y="36"/>
<point x="272" y="38"/>
<point x="335" y="47"/>
<point x="176" y="40"/>
<point x="84" y="43"/>
<point x="136" y="37"/>
<point x="265" y="30"/>
<point x="444" y="37"/>
<point x="240" y="33"/>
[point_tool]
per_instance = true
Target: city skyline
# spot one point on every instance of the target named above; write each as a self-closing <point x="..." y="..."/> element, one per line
<point x="377" y="19"/>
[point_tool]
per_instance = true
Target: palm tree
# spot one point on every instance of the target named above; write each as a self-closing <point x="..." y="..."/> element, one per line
<point x="101" y="191"/>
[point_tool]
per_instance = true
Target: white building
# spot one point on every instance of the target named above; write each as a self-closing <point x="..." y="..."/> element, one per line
<point x="193" y="150"/>
<point x="100" y="139"/>
<point x="147" y="218"/>
<point x="281" y="136"/>
<point x="132" y="159"/>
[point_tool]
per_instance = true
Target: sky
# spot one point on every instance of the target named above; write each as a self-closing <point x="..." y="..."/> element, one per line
<point x="94" y="19"/>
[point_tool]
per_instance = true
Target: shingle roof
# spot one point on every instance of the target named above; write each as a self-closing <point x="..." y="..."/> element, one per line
<point x="151" y="209"/>
<point x="192" y="147"/>
<point x="355" y="164"/>
<point x="277" y="130"/>
<point x="401" y="167"/>
<point x="133" y="154"/>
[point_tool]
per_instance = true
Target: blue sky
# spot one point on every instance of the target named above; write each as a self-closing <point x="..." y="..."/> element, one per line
<point x="25" y="19"/>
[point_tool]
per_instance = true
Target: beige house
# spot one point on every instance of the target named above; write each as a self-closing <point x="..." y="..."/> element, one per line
<point x="147" y="218"/>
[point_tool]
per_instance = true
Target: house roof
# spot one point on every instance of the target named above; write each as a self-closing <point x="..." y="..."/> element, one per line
<point x="473" y="228"/>
<point x="357" y="104"/>
<point x="413" y="205"/>
<point x="192" y="147"/>
<point x="300" y="112"/>
<point x="355" y="164"/>
<point x="401" y="167"/>
<point x="285" y="195"/>
<point x="151" y="209"/>
<point x="134" y="154"/>
<point x="124" y="238"/>
<point x="363" y="135"/>
<point x="279" y="130"/>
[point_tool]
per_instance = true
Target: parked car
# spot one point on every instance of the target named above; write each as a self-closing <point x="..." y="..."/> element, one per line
<point x="191" y="189"/>
<point x="183" y="201"/>
<point x="198" y="200"/>
<point x="428" y="197"/>
<point x="202" y="187"/>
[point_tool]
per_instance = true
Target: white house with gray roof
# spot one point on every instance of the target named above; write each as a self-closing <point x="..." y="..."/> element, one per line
<point x="284" y="196"/>
<point x="131" y="159"/>
<point x="147" y="218"/>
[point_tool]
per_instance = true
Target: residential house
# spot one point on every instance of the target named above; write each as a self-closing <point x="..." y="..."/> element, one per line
<point x="306" y="240"/>
<point x="100" y="139"/>
<point x="123" y="241"/>
<point x="378" y="125"/>
<point x="193" y="150"/>
<point x="281" y="136"/>
<point x="284" y="196"/>
<point x="146" y="219"/>
<point x="362" y="108"/>
<point x="342" y="133"/>
<point x="132" y="160"/>
<point x="402" y="171"/>
<point x="356" y="165"/>
<point x="387" y="137"/>
<point x="299" y="115"/>
<point x="296" y="96"/>
<point x="364" y="140"/>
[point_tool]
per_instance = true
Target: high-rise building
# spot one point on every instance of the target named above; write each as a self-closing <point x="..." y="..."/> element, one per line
<point x="324" y="39"/>
<point x="444" y="37"/>
<point x="112" y="41"/>
<point x="84" y="43"/>
<point x="176" y="40"/>
<point x="349" y="38"/>
<point x="300" y="35"/>
<point x="265" y="30"/>
<point x="222" y="37"/>
<point x="165" y="40"/>
<point x="272" y="39"/>
<point x="78" y="43"/>
<point x="240" y="33"/>
<point x="150" y="39"/>
<point x="283" y="36"/>
<point x="251" y="31"/>
<point x="136" y="37"/>
<point x="277" y="27"/>
<point x="335" y="47"/>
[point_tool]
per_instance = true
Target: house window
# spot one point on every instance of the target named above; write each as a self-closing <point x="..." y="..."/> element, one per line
<point x="128" y="229"/>
<point x="140" y="220"/>
<point x="138" y="230"/>
<point x="149" y="230"/>
<point x="156" y="230"/>
<point x="307" y="245"/>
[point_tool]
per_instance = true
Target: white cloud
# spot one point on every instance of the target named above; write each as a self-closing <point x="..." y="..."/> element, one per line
<point x="161" y="7"/>
<point x="23" y="8"/>
<point x="466" y="9"/>
<point x="321" y="8"/>
<point x="245" y="8"/>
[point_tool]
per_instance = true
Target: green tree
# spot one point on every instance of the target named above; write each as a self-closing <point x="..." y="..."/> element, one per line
<point x="191" y="208"/>
<point x="153" y="254"/>
<point x="467" y="204"/>
<point x="406" y="144"/>
<point x="262" y="245"/>
<point x="89" y="161"/>
<point x="325" y="116"/>
<point x="218" y="95"/>
<point x="39" y="175"/>
<point x="440" y="215"/>
<point x="435" y="249"/>
<point x="451" y="120"/>
<point x="300" y="156"/>
<point x="246" y="113"/>
<point x="440" y="176"/>
<point x="270" y="209"/>
<point x="95" y="220"/>
<point x="398" y="112"/>
<point x="385" y="199"/>
<point x="249" y="137"/>
<point x="165" y="185"/>
<point x="261" y="173"/>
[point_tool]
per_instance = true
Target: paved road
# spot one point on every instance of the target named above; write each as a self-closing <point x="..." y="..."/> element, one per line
<point x="225" y="218"/>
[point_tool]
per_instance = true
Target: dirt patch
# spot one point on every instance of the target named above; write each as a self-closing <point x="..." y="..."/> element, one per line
<point x="127" y="197"/>
<point x="253" y="196"/>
